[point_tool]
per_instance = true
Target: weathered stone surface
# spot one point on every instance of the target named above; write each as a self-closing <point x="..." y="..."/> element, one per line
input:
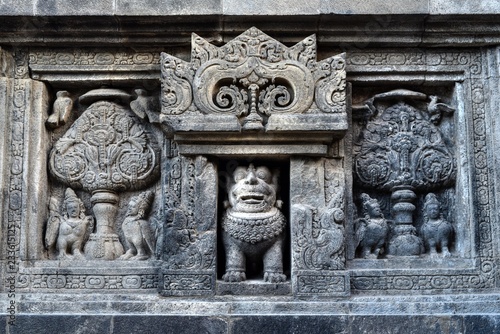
<point x="117" y="133"/>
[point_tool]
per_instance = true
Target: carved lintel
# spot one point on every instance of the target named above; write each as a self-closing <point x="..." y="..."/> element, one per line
<point x="253" y="82"/>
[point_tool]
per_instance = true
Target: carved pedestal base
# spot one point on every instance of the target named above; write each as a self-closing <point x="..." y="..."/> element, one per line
<point x="186" y="282"/>
<point x="103" y="247"/>
<point x="405" y="241"/>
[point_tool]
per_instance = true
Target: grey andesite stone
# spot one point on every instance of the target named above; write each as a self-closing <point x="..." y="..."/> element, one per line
<point x="249" y="167"/>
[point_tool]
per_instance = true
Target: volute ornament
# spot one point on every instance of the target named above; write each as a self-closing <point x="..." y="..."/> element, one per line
<point x="250" y="81"/>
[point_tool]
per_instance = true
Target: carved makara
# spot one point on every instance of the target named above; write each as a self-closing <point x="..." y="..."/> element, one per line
<point x="253" y="77"/>
<point x="105" y="151"/>
<point x="401" y="150"/>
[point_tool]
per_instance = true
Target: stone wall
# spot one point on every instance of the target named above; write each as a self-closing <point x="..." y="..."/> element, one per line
<point x="227" y="167"/>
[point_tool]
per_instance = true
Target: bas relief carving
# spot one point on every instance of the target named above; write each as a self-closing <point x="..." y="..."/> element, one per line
<point x="401" y="151"/>
<point x="372" y="230"/>
<point x="404" y="171"/>
<point x="253" y="225"/>
<point x="104" y="152"/>
<point x="69" y="231"/>
<point x="138" y="234"/>
<point x="436" y="231"/>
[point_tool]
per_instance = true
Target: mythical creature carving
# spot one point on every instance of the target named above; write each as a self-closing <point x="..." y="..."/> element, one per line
<point x="371" y="230"/>
<point x="106" y="150"/>
<point x="402" y="150"/>
<point x="320" y="237"/>
<point x="436" y="231"/>
<point x="138" y="235"/>
<point x="253" y="225"/>
<point x="184" y="248"/>
<point x="69" y="231"/>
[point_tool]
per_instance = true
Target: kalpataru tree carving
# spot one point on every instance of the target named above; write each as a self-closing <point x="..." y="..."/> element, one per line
<point x="106" y="150"/>
<point x="68" y="231"/>
<point x="401" y="150"/>
<point x="253" y="225"/>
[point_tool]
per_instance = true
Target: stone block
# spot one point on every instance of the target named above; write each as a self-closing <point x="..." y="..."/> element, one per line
<point x="290" y="324"/>
<point x="266" y="8"/>
<point x="17" y="8"/>
<point x="477" y="7"/>
<point x="429" y="324"/>
<point x="167" y="7"/>
<point x="374" y="7"/>
<point x="169" y="324"/>
<point x="45" y="324"/>
<point x="73" y="8"/>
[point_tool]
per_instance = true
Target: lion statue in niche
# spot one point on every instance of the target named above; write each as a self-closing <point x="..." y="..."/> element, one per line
<point x="253" y="227"/>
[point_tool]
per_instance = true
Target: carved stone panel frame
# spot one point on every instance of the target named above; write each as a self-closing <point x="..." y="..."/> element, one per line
<point x="473" y="267"/>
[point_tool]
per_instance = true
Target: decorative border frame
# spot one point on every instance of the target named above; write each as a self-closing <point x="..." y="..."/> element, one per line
<point x="367" y="67"/>
<point x="427" y="65"/>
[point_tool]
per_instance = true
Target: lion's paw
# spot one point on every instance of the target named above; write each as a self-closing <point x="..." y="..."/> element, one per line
<point x="234" y="276"/>
<point x="273" y="277"/>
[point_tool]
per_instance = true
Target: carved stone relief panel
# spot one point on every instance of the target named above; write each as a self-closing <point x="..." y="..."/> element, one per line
<point x="259" y="104"/>
<point x="105" y="151"/>
<point x="400" y="150"/>
<point x="317" y="192"/>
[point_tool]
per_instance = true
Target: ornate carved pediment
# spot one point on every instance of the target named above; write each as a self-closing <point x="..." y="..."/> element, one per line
<point x="253" y="83"/>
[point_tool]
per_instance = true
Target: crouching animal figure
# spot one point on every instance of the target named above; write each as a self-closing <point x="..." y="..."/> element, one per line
<point x="253" y="226"/>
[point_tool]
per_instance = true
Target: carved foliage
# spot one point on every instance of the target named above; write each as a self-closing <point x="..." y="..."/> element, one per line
<point x="318" y="241"/>
<point x="253" y="75"/>
<point x="402" y="146"/>
<point x="106" y="148"/>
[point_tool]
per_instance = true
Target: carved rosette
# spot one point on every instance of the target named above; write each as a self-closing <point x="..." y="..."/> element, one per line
<point x="252" y="78"/>
<point x="105" y="151"/>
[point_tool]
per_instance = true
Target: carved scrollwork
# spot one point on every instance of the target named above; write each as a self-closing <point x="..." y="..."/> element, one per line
<point x="105" y="149"/>
<point x="252" y="78"/>
<point x="403" y="146"/>
<point x="176" y="95"/>
<point x="330" y="91"/>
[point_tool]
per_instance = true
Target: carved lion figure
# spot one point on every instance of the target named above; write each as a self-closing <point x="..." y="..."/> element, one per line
<point x="253" y="226"/>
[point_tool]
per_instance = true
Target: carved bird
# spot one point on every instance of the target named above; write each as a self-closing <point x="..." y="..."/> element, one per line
<point x="62" y="110"/>
<point x="145" y="106"/>
<point x="436" y="109"/>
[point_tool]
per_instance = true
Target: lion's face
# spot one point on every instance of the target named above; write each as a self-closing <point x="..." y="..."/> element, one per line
<point x="253" y="190"/>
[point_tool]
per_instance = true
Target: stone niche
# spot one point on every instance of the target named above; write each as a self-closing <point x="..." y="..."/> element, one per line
<point x="246" y="170"/>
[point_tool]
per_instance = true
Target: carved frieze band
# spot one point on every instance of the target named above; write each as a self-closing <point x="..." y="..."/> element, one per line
<point x="70" y="282"/>
<point x="17" y="143"/>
